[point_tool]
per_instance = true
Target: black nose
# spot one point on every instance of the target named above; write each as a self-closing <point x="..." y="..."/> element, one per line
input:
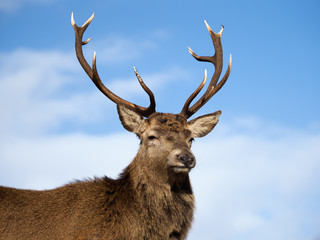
<point x="186" y="160"/>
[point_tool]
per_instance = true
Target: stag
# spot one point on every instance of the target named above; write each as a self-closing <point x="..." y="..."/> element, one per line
<point x="152" y="198"/>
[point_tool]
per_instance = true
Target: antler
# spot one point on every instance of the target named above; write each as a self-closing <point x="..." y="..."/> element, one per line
<point x="93" y="74"/>
<point x="214" y="86"/>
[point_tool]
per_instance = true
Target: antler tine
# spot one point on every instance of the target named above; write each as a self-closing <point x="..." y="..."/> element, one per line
<point x="93" y="73"/>
<point x="195" y="93"/>
<point x="152" y="107"/>
<point x="214" y="86"/>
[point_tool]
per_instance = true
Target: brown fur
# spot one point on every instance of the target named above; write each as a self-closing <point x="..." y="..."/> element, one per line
<point x="152" y="199"/>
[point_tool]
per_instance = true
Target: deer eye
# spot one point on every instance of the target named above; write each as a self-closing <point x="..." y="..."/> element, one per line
<point x="152" y="138"/>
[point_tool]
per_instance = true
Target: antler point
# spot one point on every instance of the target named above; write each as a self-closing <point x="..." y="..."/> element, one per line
<point x="204" y="78"/>
<point x="190" y="51"/>
<point x="137" y="74"/>
<point x="86" y="24"/>
<point x="85" y="42"/>
<point x="222" y="27"/>
<point x="94" y="58"/>
<point x="72" y="20"/>
<point x="208" y="27"/>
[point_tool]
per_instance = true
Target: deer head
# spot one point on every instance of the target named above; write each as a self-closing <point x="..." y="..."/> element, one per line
<point x="165" y="138"/>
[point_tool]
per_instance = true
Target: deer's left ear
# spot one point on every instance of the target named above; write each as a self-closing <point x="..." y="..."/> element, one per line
<point x="131" y="120"/>
<point x="201" y="126"/>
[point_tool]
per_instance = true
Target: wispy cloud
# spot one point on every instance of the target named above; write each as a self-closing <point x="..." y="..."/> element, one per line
<point x="250" y="185"/>
<point x="49" y="161"/>
<point x="40" y="90"/>
<point x="115" y="49"/>
<point x="30" y="83"/>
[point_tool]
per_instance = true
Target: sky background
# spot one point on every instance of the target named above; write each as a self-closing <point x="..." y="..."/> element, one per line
<point x="257" y="173"/>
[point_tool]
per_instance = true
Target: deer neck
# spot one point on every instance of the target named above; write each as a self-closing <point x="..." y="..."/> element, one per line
<point x="145" y="181"/>
<point x="150" y="181"/>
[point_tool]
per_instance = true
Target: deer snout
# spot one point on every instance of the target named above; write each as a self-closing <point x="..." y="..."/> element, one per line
<point x="187" y="160"/>
<point x="181" y="160"/>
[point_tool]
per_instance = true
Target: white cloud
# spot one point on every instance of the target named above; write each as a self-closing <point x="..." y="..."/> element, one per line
<point x="47" y="162"/>
<point x="250" y="186"/>
<point x="29" y="88"/>
<point x="115" y="49"/>
<point x="40" y="90"/>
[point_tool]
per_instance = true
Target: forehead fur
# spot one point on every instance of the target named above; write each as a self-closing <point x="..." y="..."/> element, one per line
<point x="169" y="121"/>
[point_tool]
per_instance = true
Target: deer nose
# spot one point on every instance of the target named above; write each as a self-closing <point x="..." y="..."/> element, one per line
<point x="186" y="160"/>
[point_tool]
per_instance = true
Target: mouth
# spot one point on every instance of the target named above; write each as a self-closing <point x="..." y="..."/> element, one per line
<point x="181" y="169"/>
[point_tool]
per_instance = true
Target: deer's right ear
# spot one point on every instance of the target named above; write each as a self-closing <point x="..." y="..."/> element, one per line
<point x="131" y="120"/>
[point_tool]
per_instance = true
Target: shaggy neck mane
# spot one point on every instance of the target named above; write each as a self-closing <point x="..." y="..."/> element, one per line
<point x="143" y="183"/>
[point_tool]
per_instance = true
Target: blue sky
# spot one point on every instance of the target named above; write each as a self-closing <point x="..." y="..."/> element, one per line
<point x="257" y="174"/>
